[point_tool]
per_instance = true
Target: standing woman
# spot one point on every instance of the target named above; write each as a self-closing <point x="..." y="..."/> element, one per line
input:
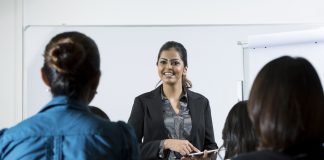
<point x="65" y="128"/>
<point x="171" y="121"/>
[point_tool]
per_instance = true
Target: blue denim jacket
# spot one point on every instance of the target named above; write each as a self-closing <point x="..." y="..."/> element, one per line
<point x="65" y="129"/>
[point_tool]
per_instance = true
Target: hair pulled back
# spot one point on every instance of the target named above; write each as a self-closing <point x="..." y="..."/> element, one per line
<point x="71" y="61"/>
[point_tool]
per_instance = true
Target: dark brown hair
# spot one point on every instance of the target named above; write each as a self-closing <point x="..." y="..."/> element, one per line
<point x="71" y="62"/>
<point x="286" y="104"/>
<point x="186" y="83"/>
<point x="238" y="132"/>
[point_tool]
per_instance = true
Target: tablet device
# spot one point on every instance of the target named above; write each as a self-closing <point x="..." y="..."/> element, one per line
<point x="198" y="154"/>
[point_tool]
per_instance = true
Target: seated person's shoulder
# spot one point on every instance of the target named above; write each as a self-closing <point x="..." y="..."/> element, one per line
<point x="262" y="155"/>
<point x="2" y="131"/>
<point x="125" y="127"/>
<point x="127" y="131"/>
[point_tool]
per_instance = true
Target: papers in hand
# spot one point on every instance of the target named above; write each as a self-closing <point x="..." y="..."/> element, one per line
<point x="198" y="154"/>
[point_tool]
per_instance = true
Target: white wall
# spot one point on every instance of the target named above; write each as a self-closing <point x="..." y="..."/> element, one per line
<point x="7" y="62"/>
<point x="10" y="63"/>
<point x="16" y="14"/>
<point x="150" y="12"/>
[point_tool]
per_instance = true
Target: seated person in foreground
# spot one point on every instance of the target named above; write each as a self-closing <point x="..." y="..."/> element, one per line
<point x="238" y="132"/>
<point x="286" y="106"/>
<point x="65" y="128"/>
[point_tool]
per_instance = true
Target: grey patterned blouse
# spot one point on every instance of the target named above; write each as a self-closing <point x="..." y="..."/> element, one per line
<point x="178" y="125"/>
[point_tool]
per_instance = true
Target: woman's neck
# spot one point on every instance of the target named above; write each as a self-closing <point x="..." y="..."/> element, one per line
<point x="172" y="91"/>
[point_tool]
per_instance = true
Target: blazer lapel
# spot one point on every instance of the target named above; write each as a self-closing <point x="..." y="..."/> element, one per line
<point x="156" y="111"/>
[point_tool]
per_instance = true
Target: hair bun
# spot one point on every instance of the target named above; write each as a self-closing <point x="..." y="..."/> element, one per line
<point x="66" y="57"/>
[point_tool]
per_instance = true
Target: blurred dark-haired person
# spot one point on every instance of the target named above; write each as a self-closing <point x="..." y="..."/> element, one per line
<point x="286" y="106"/>
<point x="65" y="128"/>
<point x="238" y="132"/>
<point x="98" y="112"/>
<point x="172" y="121"/>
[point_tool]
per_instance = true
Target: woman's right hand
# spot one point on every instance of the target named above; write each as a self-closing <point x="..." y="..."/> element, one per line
<point x="184" y="147"/>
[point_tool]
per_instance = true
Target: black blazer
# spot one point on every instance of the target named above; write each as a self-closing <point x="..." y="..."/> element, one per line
<point x="147" y="119"/>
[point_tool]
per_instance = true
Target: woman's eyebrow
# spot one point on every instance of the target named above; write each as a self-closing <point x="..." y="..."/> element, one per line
<point x="174" y="59"/>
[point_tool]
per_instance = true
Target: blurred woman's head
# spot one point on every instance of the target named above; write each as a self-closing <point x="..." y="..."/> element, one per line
<point x="286" y="104"/>
<point x="72" y="66"/>
<point x="238" y="132"/>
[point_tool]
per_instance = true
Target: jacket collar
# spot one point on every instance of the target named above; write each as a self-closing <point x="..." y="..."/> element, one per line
<point x="189" y="94"/>
<point x="183" y="98"/>
<point x="155" y="109"/>
<point x="67" y="102"/>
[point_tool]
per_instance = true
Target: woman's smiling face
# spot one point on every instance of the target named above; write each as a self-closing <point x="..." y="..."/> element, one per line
<point x="170" y="67"/>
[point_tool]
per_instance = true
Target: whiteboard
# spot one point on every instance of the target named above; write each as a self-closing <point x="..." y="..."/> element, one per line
<point x="263" y="48"/>
<point x="128" y="57"/>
